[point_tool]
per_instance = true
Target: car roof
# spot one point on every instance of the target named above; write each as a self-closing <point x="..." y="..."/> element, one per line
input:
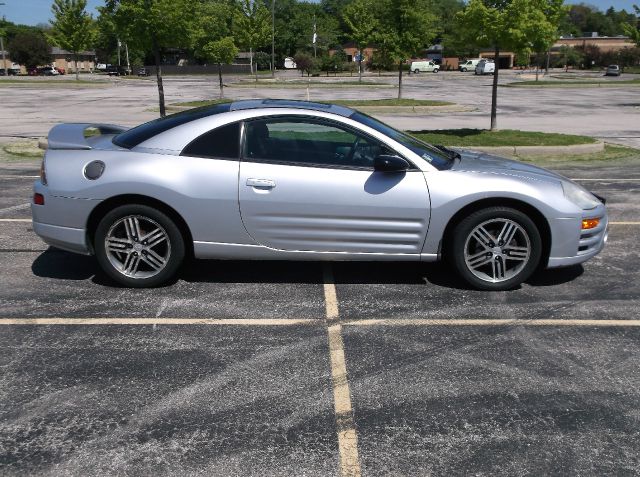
<point x="143" y="132"/>
<point x="290" y="103"/>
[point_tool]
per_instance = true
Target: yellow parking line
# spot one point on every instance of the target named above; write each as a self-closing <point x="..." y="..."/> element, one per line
<point x="491" y="322"/>
<point x="347" y="436"/>
<point x="157" y="321"/>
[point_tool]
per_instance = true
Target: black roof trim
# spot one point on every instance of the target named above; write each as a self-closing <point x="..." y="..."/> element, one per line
<point x="290" y="103"/>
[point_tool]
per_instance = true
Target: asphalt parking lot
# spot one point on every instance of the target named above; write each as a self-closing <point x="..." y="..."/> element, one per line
<point x="296" y="368"/>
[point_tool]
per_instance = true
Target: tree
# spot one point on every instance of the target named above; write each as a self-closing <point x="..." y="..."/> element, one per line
<point x="632" y="29"/>
<point x="405" y="28"/>
<point x="29" y="49"/>
<point x="212" y="35"/>
<point x="252" y="26"/>
<point x="362" y="25"/>
<point x="153" y="25"/>
<point x="570" y="56"/>
<point x="516" y="25"/>
<point x="73" y="28"/>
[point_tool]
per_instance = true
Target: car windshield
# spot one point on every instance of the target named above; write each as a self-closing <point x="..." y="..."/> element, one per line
<point x="429" y="153"/>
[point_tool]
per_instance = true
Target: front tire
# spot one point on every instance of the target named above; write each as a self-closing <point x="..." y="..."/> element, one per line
<point x="139" y="246"/>
<point x="464" y="70"/>
<point x="495" y="248"/>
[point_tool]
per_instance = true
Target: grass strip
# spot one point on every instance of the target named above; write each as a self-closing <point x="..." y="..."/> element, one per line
<point x="341" y="102"/>
<point x="572" y="83"/>
<point x="504" y="137"/>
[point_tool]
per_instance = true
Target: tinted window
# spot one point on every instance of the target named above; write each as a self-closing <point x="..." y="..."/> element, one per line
<point x="139" y="134"/>
<point x="434" y="156"/>
<point x="307" y="141"/>
<point x="222" y="142"/>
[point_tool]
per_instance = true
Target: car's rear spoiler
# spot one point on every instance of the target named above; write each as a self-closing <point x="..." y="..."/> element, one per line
<point x="72" y="135"/>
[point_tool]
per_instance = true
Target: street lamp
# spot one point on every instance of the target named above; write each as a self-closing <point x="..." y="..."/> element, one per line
<point x="4" y="60"/>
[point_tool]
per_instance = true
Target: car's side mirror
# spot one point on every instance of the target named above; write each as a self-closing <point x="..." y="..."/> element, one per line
<point x="390" y="163"/>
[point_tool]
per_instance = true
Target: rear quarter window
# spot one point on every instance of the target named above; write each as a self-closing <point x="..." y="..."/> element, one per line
<point x="219" y="143"/>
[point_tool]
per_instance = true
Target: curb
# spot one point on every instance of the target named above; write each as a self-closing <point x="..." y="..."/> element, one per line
<point x="540" y="150"/>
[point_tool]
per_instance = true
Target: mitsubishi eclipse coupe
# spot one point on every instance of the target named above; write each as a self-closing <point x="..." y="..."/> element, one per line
<point x="279" y="179"/>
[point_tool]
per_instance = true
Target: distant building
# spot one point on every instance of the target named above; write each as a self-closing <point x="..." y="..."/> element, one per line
<point x="64" y="59"/>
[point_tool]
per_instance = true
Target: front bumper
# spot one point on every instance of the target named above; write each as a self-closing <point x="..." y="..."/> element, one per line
<point x="587" y="244"/>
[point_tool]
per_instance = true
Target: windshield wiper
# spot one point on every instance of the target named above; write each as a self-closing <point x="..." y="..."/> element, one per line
<point x="449" y="152"/>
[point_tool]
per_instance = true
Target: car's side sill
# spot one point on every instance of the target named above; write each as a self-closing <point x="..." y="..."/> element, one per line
<point x="236" y="251"/>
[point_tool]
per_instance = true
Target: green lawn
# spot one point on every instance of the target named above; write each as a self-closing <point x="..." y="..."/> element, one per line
<point x="574" y="82"/>
<point x="505" y="137"/>
<point x="342" y="102"/>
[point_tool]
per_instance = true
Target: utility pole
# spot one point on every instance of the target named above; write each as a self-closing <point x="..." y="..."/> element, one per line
<point x="4" y="59"/>
<point x="315" y="36"/>
<point x="126" y="50"/>
<point x="273" y="38"/>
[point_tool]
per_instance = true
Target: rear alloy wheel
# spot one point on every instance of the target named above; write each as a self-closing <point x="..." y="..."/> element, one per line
<point x="496" y="248"/>
<point x="139" y="246"/>
<point x="416" y="71"/>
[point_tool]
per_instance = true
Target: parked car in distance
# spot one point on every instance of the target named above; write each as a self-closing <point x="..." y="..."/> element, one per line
<point x="292" y="180"/>
<point x="44" y="71"/>
<point x="115" y="70"/>
<point x="485" y="67"/>
<point x="468" y="65"/>
<point x="424" y="66"/>
<point x="612" y="70"/>
<point x="10" y="71"/>
<point x="143" y="72"/>
<point x="61" y="71"/>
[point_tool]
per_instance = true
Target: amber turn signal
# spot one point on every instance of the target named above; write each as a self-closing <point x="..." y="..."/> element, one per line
<point x="590" y="223"/>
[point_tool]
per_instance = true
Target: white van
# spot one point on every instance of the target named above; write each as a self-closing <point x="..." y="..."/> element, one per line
<point x="468" y="65"/>
<point x="424" y="66"/>
<point x="485" y="67"/>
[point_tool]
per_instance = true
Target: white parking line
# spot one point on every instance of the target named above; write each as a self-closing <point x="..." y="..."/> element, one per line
<point x="10" y="176"/>
<point x="606" y="180"/>
<point x="15" y="220"/>
<point x="492" y="322"/>
<point x="158" y="321"/>
<point x="15" y="207"/>
<point x="347" y="436"/>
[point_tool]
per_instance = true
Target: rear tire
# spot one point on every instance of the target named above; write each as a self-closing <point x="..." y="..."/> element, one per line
<point x="495" y="248"/>
<point x="139" y="246"/>
<point x="464" y="70"/>
<point x="416" y="71"/>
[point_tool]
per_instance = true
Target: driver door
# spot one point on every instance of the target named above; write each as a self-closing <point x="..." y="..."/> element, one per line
<point x="308" y="184"/>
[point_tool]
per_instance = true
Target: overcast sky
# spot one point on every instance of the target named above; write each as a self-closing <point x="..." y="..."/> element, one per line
<point x="32" y="12"/>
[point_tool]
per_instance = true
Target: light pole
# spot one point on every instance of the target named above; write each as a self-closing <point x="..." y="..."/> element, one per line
<point x="4" y="60"/>
<point x="273" y="38"/>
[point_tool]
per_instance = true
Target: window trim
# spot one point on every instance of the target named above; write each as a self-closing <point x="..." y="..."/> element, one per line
<point x="217" y="158"/>
<point x="317" y="120"/>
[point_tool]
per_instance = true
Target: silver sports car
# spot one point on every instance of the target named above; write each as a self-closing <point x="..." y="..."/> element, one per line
<point x="278" y="179"/>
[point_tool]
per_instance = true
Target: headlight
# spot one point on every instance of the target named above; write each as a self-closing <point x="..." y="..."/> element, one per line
<point x="579" y="196"/>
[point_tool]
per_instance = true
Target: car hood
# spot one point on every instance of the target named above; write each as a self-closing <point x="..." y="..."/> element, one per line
<point x="485" y="163"/>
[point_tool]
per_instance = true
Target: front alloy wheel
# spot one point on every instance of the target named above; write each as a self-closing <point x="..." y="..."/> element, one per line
<point x="496" y="248"/>
<point x="138" y="246"/>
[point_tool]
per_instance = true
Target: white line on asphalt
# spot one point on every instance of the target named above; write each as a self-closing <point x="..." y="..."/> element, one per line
<point x="10" y="176"/>
<point x="491" y="322"/>
<point x="15" y="207"/>
<point x="158" y="321"/>
<point x="15" y="220"/>
<point x="607" y="180"/>
<point x="347" y="436"/>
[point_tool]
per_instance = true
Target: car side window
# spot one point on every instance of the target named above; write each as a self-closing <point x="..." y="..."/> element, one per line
<point x="219" y="143"/>
<point x="308" y="142"/>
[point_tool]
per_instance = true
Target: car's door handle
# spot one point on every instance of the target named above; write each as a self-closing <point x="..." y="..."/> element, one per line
<point x="261" y="183"/>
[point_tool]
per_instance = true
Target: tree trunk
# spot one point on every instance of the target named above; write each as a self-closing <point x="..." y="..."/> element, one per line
<point x="400" y="80"/>
<point x="156" y="54"/>
<point x="75" y="61"/>
<point x="360" y="66"/>
<point x="220" y="79"/>
<point x="494" y="90"/>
